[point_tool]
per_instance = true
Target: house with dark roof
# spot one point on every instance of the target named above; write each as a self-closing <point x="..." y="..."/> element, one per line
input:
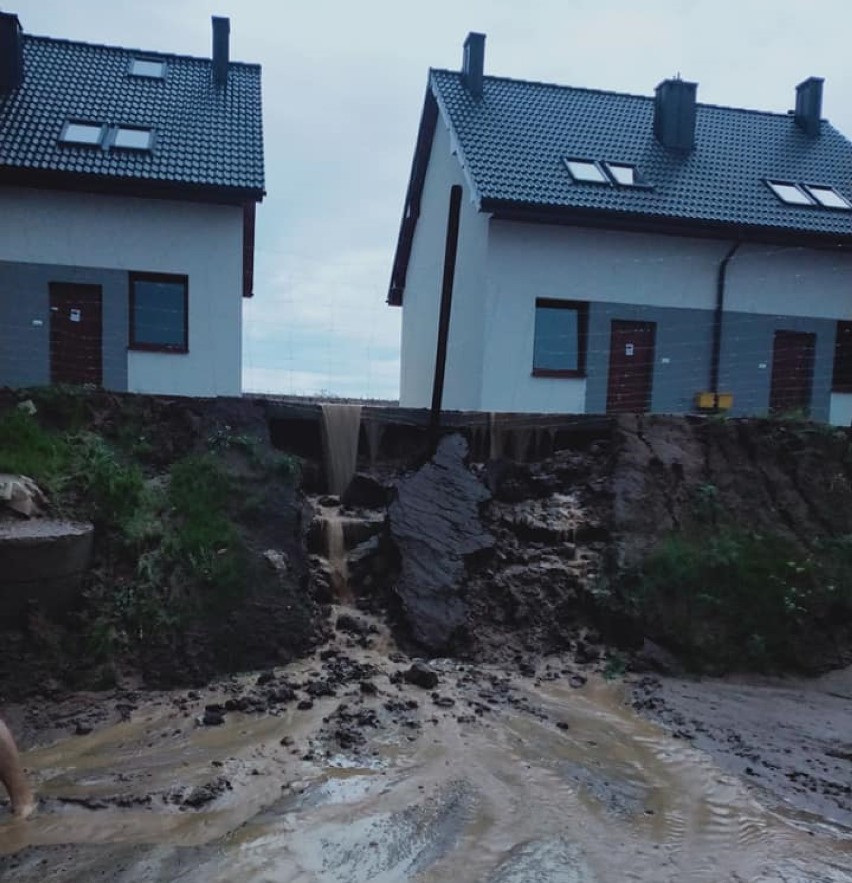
<point x="601" y="252"/>
<point x="128" y="186"/>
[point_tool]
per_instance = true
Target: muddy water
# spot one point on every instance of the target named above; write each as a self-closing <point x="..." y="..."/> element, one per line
<point x="565" y="785"/>
<point x="341" y="425"/>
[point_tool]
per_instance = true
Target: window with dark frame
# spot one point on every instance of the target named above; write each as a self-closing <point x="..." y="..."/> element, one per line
<point x="561" y="328"/>
<point x="842" y="378"/>
<point x="593" y="171"/>
<point x="133" y="138"/>
<point x="159" y="306"/>
<point x="821" y="195"/>
<point x="82" y="133"/>
<point x="151" y="68"/>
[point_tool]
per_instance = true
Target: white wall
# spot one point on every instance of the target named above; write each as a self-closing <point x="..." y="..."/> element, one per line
<point x="783" y="281"/>
<point x="199" y="240"/>
<point x="422" y="296"/>
<point x="529" y="261"/>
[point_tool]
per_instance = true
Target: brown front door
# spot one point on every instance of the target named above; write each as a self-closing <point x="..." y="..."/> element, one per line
<point x="792" y="372"/>
<point x="631" y="367"/>
<point x="75" y="333"/>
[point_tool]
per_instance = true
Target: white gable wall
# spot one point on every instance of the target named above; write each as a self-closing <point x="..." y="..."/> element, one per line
<point x="422" y="296"/>
<point x="199" y="240"/>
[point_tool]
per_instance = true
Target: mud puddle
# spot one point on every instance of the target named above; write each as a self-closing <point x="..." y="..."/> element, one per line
<point x="486" y="776"/>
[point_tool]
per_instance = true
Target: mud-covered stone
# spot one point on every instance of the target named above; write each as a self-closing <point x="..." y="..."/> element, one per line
<point x="421" y="675"/>
<point x="436" y="526"/>
<point x="365" y="492"/>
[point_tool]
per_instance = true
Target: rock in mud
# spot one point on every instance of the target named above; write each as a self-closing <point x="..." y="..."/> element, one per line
<point x="435" y="524"/>
<point x="653" y="657"/>
<point x="365" y="492"/>
<point x="204" y="794"/>
<point x="422" y="675"/>
<point x="212" y="718"/>
<point x="352" y="625"/>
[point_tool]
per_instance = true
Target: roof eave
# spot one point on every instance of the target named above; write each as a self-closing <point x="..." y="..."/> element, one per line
<point x="49" y="179"/>
<point x="411" y="209"/>
<point x="508" y="210"/>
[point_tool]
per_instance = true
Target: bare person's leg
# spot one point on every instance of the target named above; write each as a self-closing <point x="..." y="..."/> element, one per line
<point x="12" y="775"/>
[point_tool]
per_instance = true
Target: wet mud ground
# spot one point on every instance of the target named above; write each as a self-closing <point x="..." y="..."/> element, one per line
<point x="339" y="769"/>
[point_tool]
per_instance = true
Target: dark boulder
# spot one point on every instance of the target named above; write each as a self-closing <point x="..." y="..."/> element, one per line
<point x="421" y="675"/>
<point x="365" y="492"/>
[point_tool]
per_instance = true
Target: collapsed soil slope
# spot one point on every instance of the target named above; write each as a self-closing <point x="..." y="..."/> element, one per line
<point x="202" y="560"/>
<point x="557" y="547"/>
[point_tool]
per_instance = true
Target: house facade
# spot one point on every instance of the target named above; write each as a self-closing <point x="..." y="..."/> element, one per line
<point x="128" y="186"/>
<point x="626" y="253"/>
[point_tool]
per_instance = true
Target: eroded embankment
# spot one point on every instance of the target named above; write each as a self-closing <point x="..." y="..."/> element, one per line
<point x="198" y="542"/>
<point x="728" y="542"/>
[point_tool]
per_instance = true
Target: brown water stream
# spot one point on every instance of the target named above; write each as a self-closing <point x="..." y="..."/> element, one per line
<point x="341" y="425"/>
<point x="565" y="785"/>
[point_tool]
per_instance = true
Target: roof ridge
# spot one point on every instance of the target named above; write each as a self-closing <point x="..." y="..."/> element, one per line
<point x="588" y="89"/>
<point x="148" y="53"/>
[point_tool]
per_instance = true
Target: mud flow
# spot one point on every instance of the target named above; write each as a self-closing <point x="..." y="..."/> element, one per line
<point x="484" y="776"/>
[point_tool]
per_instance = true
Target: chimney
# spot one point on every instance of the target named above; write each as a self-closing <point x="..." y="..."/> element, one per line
<point x="11" y="53"/>
<point x="221" y="50"/>
<point x="473" y="63"/>
<point x="809" y="105"/>
<point x="674" y="114"/>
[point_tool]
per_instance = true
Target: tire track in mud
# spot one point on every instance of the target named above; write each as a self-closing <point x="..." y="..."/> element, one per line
<point x="563" y="783"/>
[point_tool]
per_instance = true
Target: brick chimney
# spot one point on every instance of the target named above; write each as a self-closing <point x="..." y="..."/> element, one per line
<point x="11" y="53"/>
<point x="473" y="63"/>
<point x="221" y="49"/>
<point x="808" y="113"/>
<point x="674" y="114"/>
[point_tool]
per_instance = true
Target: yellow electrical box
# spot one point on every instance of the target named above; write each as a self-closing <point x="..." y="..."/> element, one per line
<point x="706" y="401"/>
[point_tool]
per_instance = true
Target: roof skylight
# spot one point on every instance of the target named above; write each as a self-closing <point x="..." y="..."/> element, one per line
<point x="792" y="194"/>
<point x="82" y="133"/>
<point x="592" y="171"/>
<point x="809" y="194"/>
<point x="133" y="138"/>
<point x="828" y="196"/>
<point x="586" y="171"/>
<point x="623" y="174"/>
<point x="147" y="67"/>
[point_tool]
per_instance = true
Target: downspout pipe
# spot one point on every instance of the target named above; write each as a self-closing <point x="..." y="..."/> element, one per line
<point x="716" y="353"/>
<point x="450" y="251"/>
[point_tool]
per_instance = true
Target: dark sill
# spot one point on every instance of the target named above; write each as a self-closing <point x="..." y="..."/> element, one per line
<point x="842" y="388"/>
<point x="158" y="348"/>
<point x="548" y="372"/>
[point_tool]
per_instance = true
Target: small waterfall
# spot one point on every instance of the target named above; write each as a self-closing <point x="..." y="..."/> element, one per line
<point x="335" y="540"/>
<point x="341" y="425"/>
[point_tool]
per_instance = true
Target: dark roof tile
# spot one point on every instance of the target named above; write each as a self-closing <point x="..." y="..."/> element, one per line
<point x="204" y="136"/>
<point x="516" y="137"/>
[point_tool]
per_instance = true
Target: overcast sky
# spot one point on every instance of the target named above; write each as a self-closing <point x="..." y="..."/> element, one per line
<point x="343" y="89"/>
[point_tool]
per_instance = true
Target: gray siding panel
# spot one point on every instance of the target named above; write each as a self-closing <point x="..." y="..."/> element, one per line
<point x="746" y="363"/>
<point x="683" y="355"/>
<point x="24" y="299"/>
<point x="681" y="358"/>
